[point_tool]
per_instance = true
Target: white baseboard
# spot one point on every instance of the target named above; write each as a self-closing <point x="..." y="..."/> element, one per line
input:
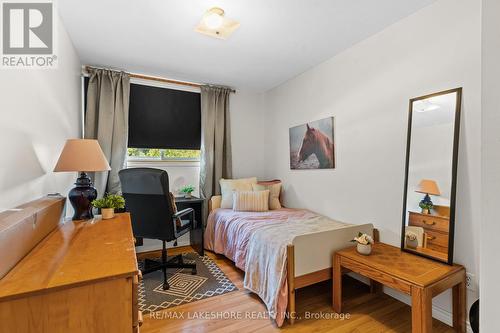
<point x="437" y="312"/>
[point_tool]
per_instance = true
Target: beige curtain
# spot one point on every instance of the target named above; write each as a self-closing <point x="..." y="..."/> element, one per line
<point x="215" y="140"/>
<point x="106" y="120"/>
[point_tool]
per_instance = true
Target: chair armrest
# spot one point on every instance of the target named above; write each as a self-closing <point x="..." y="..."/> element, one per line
<point x="214" y="202"/>
<point x="183" y="212"/>
<point x="179" y="215"/>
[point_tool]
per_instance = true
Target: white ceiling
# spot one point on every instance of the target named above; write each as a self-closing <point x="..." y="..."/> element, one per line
<point x="277" y="39"/>
<point x="444" y="114"/>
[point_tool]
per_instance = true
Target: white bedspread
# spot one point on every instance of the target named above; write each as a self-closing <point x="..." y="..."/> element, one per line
<point x="266" y="270"/>
<point x="257" y="243"/>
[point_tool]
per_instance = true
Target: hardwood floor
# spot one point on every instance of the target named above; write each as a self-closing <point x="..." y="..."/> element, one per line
<point x="368" y="313"/>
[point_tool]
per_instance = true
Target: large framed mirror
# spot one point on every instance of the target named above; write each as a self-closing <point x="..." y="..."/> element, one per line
<point x="431" y="175"/>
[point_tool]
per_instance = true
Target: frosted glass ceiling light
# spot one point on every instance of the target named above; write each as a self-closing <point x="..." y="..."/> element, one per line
<point x="426" y="105"/>
<point x="215" y="24"/>
<point x="214" y="18"/>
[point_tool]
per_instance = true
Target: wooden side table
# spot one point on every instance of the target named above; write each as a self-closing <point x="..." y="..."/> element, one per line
<point x="416" y="276"/>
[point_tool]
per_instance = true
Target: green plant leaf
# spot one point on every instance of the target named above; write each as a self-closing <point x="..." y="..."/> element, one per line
<point x="109" y="201"/>
<point x="187" y="189"/>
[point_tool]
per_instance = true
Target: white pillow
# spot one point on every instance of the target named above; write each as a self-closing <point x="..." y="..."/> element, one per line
<point x="227" y="186"/>
<point x="251" y="201"/>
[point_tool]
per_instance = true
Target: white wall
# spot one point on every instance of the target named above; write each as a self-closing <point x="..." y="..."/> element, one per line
<point x="247" y="133"/>
<point x="367" y="89"/>
<point x="180" y="173"/>
<point x="431" y="156"/>
<point x="39" y="110"/>
<point x="490" y="270"/>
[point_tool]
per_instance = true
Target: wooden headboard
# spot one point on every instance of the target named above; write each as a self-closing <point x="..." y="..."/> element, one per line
<point x="214" y="202"/>
<point x="22" y="228"/>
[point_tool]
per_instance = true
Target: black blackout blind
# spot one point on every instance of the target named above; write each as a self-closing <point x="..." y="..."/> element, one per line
<point x="164" y="118"/>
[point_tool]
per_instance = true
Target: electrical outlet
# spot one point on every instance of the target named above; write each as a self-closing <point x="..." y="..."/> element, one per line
<point x="469" y="281"/>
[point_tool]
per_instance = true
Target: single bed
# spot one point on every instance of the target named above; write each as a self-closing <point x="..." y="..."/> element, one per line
<point x="297" y="243"/>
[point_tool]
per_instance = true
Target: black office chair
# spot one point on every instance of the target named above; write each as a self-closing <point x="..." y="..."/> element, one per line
<point x="147" y="198"/>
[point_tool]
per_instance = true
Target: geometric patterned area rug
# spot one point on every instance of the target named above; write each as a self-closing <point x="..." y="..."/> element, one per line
<point x="184" y="287"/>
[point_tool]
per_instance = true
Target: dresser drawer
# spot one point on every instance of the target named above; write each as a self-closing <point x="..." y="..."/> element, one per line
<point x="436" y="239"/>
<point x="430" y="222"/>
<point x="437" y="248"/>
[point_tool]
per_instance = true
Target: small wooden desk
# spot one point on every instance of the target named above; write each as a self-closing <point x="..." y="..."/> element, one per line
<point x="195" y="234"/>
<point x="418" y="277"/>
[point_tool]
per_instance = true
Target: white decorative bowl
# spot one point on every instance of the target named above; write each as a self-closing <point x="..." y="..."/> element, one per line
<point x="364" y="249"/>
<point x="412" y="244"/>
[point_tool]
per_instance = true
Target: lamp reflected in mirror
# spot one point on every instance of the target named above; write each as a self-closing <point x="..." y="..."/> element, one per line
<point x="427" y="187"/>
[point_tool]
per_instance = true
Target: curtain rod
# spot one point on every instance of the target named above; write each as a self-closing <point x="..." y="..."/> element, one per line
<point x="153" y="78"/>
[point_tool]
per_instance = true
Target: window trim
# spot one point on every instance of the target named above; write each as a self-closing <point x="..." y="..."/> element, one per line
<point x="159" y="160"/>
<point x="163" y="163"/>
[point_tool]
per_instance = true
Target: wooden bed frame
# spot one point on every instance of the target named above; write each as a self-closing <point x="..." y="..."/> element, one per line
<point x="310" y="257"/>
<point x="301" y="281"/>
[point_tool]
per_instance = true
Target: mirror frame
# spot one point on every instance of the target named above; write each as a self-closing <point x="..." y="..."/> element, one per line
<point x="456" y="135"/>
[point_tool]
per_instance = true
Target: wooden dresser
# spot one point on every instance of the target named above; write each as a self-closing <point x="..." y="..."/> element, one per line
<point x="436" y="230"/>
<point x="82" y="277"/>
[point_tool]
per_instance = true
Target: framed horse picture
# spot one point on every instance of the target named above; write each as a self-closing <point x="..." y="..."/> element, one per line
<point x="312" y="145"/>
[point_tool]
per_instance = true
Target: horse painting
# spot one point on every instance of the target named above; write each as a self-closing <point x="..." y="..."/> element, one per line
<point x="312" y="146"/>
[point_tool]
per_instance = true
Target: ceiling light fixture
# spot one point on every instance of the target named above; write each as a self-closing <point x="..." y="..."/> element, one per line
<point x="214" y="18"/>
<point x="426" y="105"/>
<point x="215" y="24"/>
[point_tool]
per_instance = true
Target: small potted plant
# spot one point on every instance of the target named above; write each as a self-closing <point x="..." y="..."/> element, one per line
<point x="426" y="206"/>
<point x="187" y="190"/>
<point x="363" y="243"/>
<point x="411" y="240"/>
<point x="108" y="203"/>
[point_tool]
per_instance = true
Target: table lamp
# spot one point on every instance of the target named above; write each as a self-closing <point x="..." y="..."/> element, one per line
<point x="428" y="187"/>
<point x="82" y="155"/>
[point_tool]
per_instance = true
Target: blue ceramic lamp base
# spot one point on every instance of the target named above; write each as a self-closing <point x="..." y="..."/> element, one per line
<point x="81" y="197"/>
<point x="427" y="200"/>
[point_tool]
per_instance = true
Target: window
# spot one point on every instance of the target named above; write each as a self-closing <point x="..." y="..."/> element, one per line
<point x="164" y="132"/>
<point x="164" y="118"/>
<point x="167" y="119"/>
<point x="148" y="154"/>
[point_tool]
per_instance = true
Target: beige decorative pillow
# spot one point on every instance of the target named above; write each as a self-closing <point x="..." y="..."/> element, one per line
<point x="228" y="186"/>
<point x="251" y="201"/>
<point x="274" y="193"/>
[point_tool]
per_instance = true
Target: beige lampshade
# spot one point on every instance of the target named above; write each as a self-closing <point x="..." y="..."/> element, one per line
<point x="82" y="155"/>
<point x="428" y="186"/>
